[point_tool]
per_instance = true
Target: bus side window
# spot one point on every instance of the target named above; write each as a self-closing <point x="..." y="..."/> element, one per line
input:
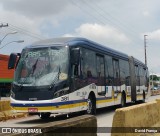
<point x="88" y="64"/>
<point x="109" y="70"/>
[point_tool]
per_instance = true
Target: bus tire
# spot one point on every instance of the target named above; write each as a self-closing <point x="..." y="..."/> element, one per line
<point x="44" y="115"/>
<point x="123" y="100"/>
<point x="91" y="105"/>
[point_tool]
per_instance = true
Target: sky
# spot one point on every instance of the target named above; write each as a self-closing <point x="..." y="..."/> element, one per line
<point x="118" y="24"/>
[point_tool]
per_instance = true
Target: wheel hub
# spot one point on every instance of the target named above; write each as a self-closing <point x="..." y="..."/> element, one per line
<point x="89" y="106"/>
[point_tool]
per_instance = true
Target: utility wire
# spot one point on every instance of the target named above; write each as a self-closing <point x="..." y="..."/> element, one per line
<point x="98" y="18"/>
<point x="117" y="20"/>
<point x="85" y="11"/>
<point x="24" y="31"/>
<point x="116" y="25"/>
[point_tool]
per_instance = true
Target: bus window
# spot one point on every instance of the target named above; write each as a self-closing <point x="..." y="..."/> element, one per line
<point x="100" y="70"/>
<point x="88" y="64"/>
<point x="116" y="72"/>
<point x="124" y="72"/>
<point x="86" y="69"/>
<point x="109" y="75"/>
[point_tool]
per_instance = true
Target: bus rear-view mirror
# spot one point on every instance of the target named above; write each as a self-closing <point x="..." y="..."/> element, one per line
<point x="12" y="61"/>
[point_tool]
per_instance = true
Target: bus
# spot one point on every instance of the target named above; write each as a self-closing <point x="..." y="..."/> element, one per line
<point x="72" y="74"/>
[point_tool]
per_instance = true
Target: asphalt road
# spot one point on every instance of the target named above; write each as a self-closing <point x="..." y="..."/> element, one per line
<point x="104" y="119"/>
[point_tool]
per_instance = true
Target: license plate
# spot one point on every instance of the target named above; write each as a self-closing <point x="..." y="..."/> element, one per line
<point x="32" y="109"/>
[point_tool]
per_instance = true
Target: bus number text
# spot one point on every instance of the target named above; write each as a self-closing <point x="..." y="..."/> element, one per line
<point x="64" y="98"/>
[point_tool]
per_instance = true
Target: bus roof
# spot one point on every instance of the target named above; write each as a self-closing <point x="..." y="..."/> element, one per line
<point x="73" y="41"/>
<point x="138" y="62"/>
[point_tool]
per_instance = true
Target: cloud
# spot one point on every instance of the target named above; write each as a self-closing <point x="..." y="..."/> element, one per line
<point x="53" y="18"/>
<point x="155" y="35"/>
<point x="35" y="8"/>
<point x="146" y="13"/>
<point x="101" y="33"/>
<point x="41" y="17"/>
<point x="20" y="21"/>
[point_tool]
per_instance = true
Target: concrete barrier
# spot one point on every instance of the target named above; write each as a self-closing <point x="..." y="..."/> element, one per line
<point x="85" y="125"/>
<point x="4" y="105"/>
<point x="7" y="112"/>
<point x="128" y="121"/>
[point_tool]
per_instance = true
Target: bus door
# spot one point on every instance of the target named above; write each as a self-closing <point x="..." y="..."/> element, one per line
<point x="116" y="81"/>
<point x="100" y="75"/>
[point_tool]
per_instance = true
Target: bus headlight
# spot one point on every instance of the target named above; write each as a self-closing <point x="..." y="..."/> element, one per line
<point x="61" y="92"/>
<point x="12" y="94"/>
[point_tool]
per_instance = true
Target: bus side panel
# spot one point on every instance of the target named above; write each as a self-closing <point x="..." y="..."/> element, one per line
<point x="79" y="97"/>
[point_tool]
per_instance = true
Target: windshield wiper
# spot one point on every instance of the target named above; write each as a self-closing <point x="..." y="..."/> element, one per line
<point x="57" y="77"/>
<point x="33" y="69"/>
<point x="34" y="66"/>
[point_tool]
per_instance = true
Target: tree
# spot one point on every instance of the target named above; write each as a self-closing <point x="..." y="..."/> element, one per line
<point x="155" y="78"/>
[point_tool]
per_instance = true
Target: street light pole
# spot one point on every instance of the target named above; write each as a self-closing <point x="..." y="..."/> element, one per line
<point x="14" y="32"/>
<point x="20" y="41"/>
<point x="152" y="80"/>
<point x="2" y="25"/>
<point x="145" y="49"/>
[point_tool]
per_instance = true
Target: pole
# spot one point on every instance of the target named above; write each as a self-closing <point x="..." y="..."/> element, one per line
<point x="20" y="41"/>
<point x="2" y="25"/>
<point x="145" y="49"/>
<point x="152" y="81"/>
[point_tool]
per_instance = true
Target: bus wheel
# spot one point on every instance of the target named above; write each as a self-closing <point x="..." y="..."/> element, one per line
<point x="91" y="105"/>
<point x="44" y="115"/>
<point x="123" y="100"/>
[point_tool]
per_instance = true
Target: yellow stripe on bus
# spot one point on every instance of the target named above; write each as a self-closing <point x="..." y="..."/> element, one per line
<point x="71" y="105"/>
<point x="104" y="101"/>
<point x="52" y="107"/>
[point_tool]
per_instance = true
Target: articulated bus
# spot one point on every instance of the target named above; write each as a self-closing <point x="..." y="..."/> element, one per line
<point x="70" y="74"/>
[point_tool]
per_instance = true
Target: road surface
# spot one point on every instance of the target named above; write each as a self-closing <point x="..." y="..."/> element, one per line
<point x="104" y="119"/>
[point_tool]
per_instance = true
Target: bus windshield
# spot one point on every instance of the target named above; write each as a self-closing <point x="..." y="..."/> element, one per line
<point x="42" y="66"/>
